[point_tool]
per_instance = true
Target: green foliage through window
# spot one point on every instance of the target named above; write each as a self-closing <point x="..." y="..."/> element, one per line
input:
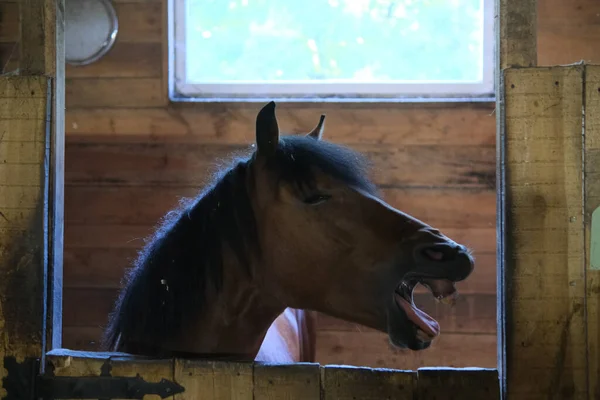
<point x="330" y="40"/>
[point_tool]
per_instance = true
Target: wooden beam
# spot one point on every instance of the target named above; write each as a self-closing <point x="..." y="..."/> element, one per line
<point x="592" y="225"/>
<point x="24" y="110"/>
<point x="454" y="383"/>
<point x="516" y="33"/>
<point x="31" y="181"/>
<point x="195" y="379"/>
<point x="544" y="277"/>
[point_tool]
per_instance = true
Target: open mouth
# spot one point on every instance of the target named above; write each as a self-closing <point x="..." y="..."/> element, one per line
<point x="443" y="290"/>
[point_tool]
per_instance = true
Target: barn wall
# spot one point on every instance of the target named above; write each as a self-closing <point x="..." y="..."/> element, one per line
<point x="130" y="155"/>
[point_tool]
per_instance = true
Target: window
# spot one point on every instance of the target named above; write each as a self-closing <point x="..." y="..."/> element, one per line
<point x="331" y="49"/>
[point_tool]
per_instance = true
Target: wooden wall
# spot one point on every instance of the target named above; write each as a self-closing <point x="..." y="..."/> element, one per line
<point x="130" y="155"/>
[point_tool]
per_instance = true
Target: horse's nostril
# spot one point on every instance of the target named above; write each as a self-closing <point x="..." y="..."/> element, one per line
<point x="440" y="253"/>
<point x="434" y="254"/>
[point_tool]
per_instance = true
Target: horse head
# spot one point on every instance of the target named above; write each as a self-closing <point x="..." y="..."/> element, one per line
<point x="331" y="244"/>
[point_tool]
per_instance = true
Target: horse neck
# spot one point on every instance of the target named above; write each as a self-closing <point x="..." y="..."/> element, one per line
<point x="234" y="321"/>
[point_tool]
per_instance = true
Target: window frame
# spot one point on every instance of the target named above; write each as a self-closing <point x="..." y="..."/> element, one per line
<point x="299" y="91"/>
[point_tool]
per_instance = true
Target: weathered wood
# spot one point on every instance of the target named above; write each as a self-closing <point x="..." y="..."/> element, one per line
<point x="9" y="22"/>
<point x="191" y="164"/>
<point x="140" y="21"/>
<point x="458" y="384"/>
<point x="298" y="381"/>
<point x="214" y="380"/>
<point x="591" y="206"/>
<point x="348" y="383"/>
<point x="244" y="380"/>
<point x="372" y="349"/>
<point x="23" y="240"/>
<point x="517" y="36"/>
<point x="38" y="34"/>
<point x="146" y="205"/>
<point x="567" y="31"/>
<point x="114" y="93"/>
<point x="348" y="124"/>
<point x="85" y="306"/>
<point x="124" y="60"/>
<point x="545" y="330"/>
<point x="103" y="267"/>
<point x="473" y="313"/>
<point x="67" y="363"/>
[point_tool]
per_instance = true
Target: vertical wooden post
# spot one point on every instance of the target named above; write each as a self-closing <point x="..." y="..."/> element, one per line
<point x="31" y="201"/>
<point x="516" y="46"/>
<point x="592" y="225"/>
<point x="544" y="248"/>
<point x="43" y="53"/>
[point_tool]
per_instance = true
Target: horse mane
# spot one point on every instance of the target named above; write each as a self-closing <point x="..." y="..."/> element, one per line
<point x="183" y="259"/>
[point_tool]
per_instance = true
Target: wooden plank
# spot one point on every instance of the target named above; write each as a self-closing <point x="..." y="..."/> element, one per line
<point x="214" y="380"/>
<point x="140" y="21"/>
<point x="9" y="57"/>
<point x="374" y="350"/>
<point x="474" y="313"/>
<point x="89" y="236"/>
<point x="471" y="125"/>
<point x="146" y="205"/>
<point x="566" y="30"/>
<point x="287" y="381"/>
<point x="103" y="267"/>
<point x="23" y="253"/>
<point x="591" y="205"/>
<point x="9" y="22"/>
<point x="88" y="364"/>
<point x="347" y="383"/>
<point x="124" y="60"/>
<point x="517" y="26"/>
<point x="555" y="347"/>
<point x="114" y="92"/>
<point x="38" y="37"/>
<point x="458" y="384"/>
<point x="190" y="164"/>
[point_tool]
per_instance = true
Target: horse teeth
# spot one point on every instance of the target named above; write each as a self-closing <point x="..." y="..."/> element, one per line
<point x="422" y="335"/>
<point x="449" y="300"/>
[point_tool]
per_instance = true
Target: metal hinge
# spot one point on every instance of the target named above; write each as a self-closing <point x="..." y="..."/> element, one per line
<point x="103" y="387"/>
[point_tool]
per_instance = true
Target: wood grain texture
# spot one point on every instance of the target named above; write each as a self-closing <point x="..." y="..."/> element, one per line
<point x="23" y="209"/>
<point x="566" y="31"/>
<point x="517" y="25"/>
<point x="473" y="313"/>
<point x="545" y="310"/>
<point x="372" y="349"/>
<point x="591" y="204"/>
<point x="214" y="380"/>
<point x="239" y="380"/>
<point x="140" y="21"/>
<point x="345" y="383"/>
<point x="290" y="382"/>
<point x="186" y="164"/>
<point x="103" y="267"/>
<point x="458" y="384"/>
<point x="124" y="60"/>
<point x="146" y="205"/>
<point x="234" y="124"/>
<point x="114" y="93"/>
<point x="9" y="22"/>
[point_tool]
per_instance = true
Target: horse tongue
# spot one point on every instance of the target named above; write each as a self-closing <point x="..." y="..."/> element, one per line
<point x="418" y="317"/>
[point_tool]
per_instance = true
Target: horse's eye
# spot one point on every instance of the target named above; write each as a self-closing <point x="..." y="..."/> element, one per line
<point x="316" y="199"/>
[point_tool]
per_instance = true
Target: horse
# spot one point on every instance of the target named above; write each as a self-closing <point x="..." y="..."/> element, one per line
<point x="293" y="227"/>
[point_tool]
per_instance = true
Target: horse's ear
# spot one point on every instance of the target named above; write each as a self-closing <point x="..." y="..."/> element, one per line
<point x="267" y="130"/>
<point x="317" y="133"/>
